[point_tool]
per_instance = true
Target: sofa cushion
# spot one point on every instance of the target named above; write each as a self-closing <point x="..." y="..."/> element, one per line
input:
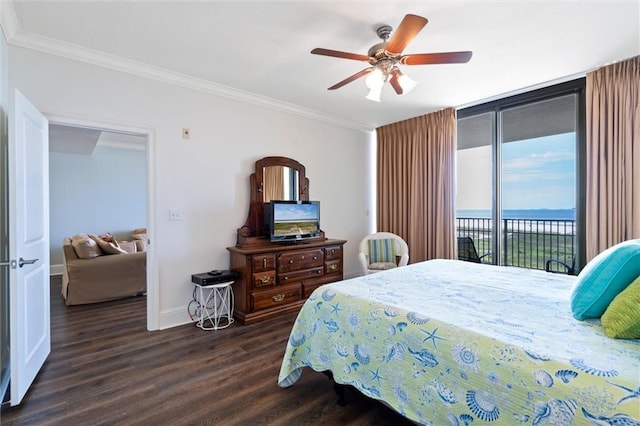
<point x="109" y="247"/>
<point x="85" y="247"/>
<point x="141" y="245"/>
<point x="128" y="246"/>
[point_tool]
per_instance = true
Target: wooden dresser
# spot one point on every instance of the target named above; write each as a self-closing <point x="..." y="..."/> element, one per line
<point x="278" y="278"/>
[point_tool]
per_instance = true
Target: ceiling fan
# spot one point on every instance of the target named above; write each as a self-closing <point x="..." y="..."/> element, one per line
<point x="385" y="57"/>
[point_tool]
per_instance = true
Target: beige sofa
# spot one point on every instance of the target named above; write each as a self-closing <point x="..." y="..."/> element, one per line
<point x="103" y="277"/>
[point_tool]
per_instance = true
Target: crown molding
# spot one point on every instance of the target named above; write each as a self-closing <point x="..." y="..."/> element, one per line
<point x="17" y="37"/>
<point x="8" y="19"/>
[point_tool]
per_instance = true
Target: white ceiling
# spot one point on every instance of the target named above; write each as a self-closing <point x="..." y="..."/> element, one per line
<point x="259" y="50"/>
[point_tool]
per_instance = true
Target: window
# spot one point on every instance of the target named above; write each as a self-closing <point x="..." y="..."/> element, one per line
<point x="519" y="163"/>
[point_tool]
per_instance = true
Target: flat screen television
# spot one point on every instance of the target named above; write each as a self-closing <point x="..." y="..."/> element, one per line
<point x="292" y="221"/>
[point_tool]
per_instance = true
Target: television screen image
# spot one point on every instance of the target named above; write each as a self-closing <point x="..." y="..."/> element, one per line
<point x="292" y="220"/>
<point x="295" y="219"/>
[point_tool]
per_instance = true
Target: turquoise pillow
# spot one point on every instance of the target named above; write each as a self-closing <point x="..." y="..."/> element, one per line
<point x="602" y="279"/>
<point x="621" y="320"/>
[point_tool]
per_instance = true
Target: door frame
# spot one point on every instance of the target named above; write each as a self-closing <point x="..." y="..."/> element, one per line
<point x="153" y="292"/>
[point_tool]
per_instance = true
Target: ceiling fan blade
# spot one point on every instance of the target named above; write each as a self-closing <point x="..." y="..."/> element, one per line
<point x="338" y="54"/>
<point x="406" y="31"/>
<point x="352" y="78"/>
<point x="436" y="58"/>
<point x="394" y="81"/>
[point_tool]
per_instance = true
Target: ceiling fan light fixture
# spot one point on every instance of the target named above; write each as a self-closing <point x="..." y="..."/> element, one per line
<point x="375" y="79"/>
<point x="406" y="82"/>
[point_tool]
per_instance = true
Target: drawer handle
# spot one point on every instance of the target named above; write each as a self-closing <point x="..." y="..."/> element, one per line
<point x="278" y="297"/>
<point x="333" y="251"/>
<point x="315" y="257"/>
<point x="291" y="261"/>
<point x="265" y="280"/>
<point x="319" y="271"/>
<point x="264" y="263"/>
<point x="285" y="278"/>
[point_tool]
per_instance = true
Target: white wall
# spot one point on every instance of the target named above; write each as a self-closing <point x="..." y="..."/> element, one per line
<point x="206" y="177"/>
<point x="4" y="228"/>
<point x="97" y="193"/>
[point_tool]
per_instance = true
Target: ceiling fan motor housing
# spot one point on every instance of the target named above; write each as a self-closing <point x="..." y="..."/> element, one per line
<point x="377" y="51"/>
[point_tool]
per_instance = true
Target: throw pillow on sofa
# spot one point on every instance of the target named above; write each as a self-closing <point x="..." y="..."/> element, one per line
<point x="128" y="246"/>
<point x="107" y="237"/>
<point x="85" y="247"/>
<point x="139" y="234"/>
<point x="141" y="245"/>
<point x="106" y="246"/>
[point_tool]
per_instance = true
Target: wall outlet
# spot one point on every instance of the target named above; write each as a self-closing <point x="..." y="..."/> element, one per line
<point x="175" y="215"/>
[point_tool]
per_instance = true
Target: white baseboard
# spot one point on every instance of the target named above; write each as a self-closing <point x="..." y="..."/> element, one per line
<point x="56" y="269"/>
<point x="174" y="318"/>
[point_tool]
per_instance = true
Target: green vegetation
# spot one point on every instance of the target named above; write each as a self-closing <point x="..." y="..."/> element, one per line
<point x="528" y="249"/>
<point x="295" y="228"/>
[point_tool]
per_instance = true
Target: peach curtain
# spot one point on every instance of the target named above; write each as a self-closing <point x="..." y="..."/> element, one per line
<point x="273" y="183"/>
<point x="613" y="155"/>
<point x="416" y="183"/>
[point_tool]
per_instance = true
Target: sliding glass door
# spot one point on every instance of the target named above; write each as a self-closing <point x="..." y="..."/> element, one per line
<point x="518" y="187"/>
<point x="475" y="186"/>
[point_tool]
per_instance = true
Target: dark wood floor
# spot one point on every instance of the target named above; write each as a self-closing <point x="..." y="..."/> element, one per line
<point x="105" y="368"/>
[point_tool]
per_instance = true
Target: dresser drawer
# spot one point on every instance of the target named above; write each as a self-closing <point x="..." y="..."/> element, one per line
<point x="297" y="260"/>
<point x="309" y="285"/>
<point x="332" y="253"/>
<point x="300" y="275"/>
<point x="264" y="279"/>
<point x="333" y="267"/>
<point x="269" y="299"/>
<point x="264" y="262"/>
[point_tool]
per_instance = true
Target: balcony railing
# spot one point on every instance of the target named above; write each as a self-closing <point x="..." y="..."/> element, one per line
<point x="527" y="243"/>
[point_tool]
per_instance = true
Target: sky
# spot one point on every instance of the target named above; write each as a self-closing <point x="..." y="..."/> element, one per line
<point x="290" y="211"/>
<point x="536" y="174"/>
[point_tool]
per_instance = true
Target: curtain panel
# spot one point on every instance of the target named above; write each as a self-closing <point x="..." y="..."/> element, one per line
<point x="416" y="183"/>
<point x="274" y="183"/>
<point x="613" y="155"/>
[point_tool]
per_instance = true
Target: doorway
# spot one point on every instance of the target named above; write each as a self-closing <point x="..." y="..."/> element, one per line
<point x="122" y="131"/>
<point x="97" y="185"/>
<point x="111" y="138"/>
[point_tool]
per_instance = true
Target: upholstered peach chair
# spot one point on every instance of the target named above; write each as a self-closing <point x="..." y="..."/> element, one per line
<point x="381" y="251"/>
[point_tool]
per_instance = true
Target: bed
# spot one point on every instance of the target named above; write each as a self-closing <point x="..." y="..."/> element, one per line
<point x="450" y="342"/>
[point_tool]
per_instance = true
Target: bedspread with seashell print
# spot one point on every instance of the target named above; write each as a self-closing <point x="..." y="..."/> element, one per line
<point x="447" y="342"/>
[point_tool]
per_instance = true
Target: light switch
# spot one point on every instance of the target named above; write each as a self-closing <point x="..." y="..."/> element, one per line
<point x="175" y="215"/>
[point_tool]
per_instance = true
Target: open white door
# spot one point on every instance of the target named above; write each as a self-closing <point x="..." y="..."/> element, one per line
<point x="28" y="244"/>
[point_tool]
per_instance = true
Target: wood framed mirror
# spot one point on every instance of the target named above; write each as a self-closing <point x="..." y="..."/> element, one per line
<point x="274" y="178"/>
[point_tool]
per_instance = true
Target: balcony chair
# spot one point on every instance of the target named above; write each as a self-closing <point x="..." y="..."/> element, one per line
<point x="381" y="251"/>
<point x="467" y="250"/>
<point x="569" y="269"/>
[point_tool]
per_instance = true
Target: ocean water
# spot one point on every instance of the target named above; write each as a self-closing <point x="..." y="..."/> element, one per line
<point x="555" y="214"/>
